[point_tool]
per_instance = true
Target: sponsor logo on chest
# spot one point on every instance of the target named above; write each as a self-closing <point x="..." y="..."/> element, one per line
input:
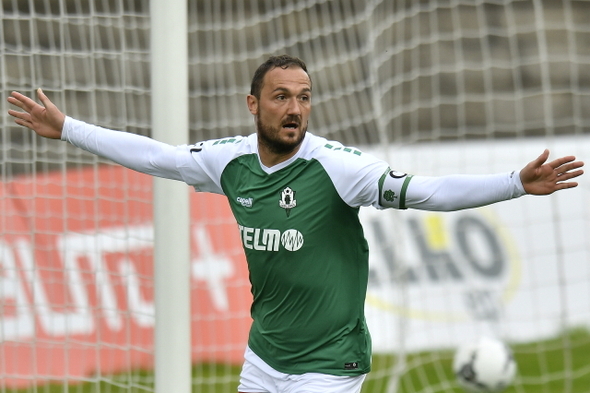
<point x="263" y="239"/>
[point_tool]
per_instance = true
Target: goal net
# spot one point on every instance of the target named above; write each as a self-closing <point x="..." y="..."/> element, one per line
<point x="433" y="87"/>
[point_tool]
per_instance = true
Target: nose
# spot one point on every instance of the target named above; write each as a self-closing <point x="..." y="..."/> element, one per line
<point x="294" y="108"/>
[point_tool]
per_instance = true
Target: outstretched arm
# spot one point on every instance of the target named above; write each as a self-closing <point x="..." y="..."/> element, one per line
<point x="455" y="192"/>
<point x="46" y="120"/>
<point x="133" y="151"/>
<point x="543" y="178"/>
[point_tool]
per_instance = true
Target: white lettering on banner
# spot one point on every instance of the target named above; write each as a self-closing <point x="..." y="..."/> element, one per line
<point x="142" y="310"/>
<point x="211" y="267"/>
<point x="78" y="318"/>
<point x="91" y="246"/>
<point x="95" y="247"/>
<point x="20" y="324"/>
<point x="79" y="321"/>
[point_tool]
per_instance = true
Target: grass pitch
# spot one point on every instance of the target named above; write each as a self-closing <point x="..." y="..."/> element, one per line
<point x="561" y="364"/>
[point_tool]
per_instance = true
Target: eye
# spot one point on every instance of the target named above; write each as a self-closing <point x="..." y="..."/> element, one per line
<point x="305" y="98"/>
<point x="281" y="97"/>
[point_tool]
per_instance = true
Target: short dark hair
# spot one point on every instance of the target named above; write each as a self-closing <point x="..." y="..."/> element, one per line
<point x="283" y="61"/>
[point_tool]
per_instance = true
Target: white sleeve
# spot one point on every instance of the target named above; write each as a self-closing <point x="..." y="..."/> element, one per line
<point x="135" y="152"/>
<point x="449" y="193"/>
<point x="355" y="174"/>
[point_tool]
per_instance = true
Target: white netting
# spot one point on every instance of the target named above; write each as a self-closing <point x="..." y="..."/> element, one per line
<point x="434" y="87"/>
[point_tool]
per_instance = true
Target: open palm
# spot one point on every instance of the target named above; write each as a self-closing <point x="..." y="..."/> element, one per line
<point x="542" y="178"/>
<point x="46" y="120"/>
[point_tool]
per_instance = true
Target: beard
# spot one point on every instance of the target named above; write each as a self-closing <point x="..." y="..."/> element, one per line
<point x="269" y="136"/>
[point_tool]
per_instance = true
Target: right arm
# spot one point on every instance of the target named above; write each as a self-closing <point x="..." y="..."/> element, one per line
<point x="133" y="151"/>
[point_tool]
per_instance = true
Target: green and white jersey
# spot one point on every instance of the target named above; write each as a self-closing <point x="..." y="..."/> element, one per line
<point x="298" y="222"/>
<point x="306" y="252"/>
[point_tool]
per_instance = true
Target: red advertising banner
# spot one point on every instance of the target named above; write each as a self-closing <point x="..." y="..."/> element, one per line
<point x="76" y="276"/>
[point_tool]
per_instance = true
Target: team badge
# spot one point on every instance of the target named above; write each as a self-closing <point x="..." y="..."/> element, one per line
<point x="287" y="200"/>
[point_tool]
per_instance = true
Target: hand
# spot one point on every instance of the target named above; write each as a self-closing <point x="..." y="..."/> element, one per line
<point x="540" y="178"/>
<point x="46" y="120"/>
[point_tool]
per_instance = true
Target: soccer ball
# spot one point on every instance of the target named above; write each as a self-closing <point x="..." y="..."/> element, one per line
<point x="484" y="366"/>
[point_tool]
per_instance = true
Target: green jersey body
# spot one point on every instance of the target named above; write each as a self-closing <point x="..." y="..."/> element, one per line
<point x="306" y="252"/>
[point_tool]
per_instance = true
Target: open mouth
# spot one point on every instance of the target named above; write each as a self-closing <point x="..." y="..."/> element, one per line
<point x="291" y="126"/>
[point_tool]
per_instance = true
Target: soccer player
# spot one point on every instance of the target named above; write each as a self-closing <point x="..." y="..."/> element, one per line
<point x="296" y="198"/>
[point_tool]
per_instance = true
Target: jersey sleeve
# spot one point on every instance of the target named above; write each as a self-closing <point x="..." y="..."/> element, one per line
<point x="364" y="180"/>
<point x="456" y="192"/>
<point x="203" y="167"/>
<point x="355" y="174"/>
<point x="144" y="154"/>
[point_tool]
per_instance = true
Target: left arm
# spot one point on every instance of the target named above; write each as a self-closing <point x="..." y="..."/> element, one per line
<point x="456" y="192"/>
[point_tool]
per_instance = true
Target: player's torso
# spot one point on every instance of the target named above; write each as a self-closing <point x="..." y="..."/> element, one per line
<point x="285" y="217"/>
<point x="306" y="254"/>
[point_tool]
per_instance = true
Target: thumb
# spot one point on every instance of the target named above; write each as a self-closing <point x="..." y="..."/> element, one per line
<point x="52" y="117"/>
<point x="541" y="159"/>
<point x="43" y="98"/>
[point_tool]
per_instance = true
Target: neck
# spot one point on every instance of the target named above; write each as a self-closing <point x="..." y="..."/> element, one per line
<point x="270" y="158"/>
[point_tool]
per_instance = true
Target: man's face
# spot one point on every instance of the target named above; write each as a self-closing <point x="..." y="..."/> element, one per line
<point x="282" y="112"/>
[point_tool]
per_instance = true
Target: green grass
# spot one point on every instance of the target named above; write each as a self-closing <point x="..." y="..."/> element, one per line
<point x="541" y="368"/>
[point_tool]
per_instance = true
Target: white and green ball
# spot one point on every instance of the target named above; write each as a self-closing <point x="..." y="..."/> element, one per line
<point x="484" y="366"/>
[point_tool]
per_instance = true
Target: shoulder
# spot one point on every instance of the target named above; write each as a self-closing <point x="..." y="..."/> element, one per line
<point x="227" y="145"/>
<point x="203" y="163"/>
<point x="354" y="173"/>
<point x="219" y="152"/>
<point x="334" y="154"/>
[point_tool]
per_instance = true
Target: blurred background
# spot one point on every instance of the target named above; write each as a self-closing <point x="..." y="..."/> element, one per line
<point x="434" y="87"/>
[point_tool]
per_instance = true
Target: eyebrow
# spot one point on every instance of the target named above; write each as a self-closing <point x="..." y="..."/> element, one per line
<point x="306" y="90"/>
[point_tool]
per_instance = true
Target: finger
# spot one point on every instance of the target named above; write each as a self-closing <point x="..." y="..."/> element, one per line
<point x="561" y="161"/>
<point x="569" y="175"/>
<point x="25" y="102"/>
<point x="19" y="115"/>
<point x="16" y="102"/>
<point x="563" y="186"/>
<point x="564" y="169"/>
<point x="569" y="166"/>
<point x="24" y="123"/>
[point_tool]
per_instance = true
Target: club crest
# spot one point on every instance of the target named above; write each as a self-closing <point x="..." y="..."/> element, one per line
<point x="287" y="200"/>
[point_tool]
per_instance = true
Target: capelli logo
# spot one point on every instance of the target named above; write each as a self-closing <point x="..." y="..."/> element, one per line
<point x="246" y="202"/>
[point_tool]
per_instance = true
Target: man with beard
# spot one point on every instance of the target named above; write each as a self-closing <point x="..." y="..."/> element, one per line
<point x="296" y="198"/>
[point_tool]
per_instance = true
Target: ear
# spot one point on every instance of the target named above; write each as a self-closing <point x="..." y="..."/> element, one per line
<point x="252" y="104"/>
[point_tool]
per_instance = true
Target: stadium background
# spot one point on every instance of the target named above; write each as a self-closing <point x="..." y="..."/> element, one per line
<point x="386" y="73"/>
<point x="439" y="70"/>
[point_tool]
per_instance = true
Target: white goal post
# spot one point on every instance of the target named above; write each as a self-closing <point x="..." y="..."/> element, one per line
<point x="433" y="87"/>
<point x="169" y="98"/>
